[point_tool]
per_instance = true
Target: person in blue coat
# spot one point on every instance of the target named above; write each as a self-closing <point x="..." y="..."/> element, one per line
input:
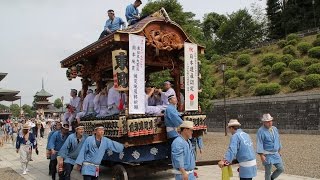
<point x="55" y="128"/>
<point x="269" y="147"/>
<point x="172" y="118"/>
<point x="132" y="12"/>
<point x="182" y="155"/>
<point x="55" y="143"/>
<point x="241" y="149"/>
<point x="92" y="152"/>
<point x="69" y="152"/>
<point x="112" y="24"/>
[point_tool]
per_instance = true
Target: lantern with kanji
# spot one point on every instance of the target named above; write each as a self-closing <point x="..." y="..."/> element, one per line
<point x="120" y="70"/>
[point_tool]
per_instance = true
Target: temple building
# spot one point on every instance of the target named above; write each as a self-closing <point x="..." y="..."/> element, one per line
<point x="43" y="107"/>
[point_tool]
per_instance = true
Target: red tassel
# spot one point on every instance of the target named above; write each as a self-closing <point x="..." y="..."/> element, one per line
<point x="120" y="107"/>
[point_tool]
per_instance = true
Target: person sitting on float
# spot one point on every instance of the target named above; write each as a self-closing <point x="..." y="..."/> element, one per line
<point x="112" y="24"/>
<point x="169" y="91"/>
<point x="87" y="106"/>
<point x="151" y="110"/>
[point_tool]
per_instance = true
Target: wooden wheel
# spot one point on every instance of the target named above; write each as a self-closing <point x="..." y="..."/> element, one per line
<point x="119" y="173"/>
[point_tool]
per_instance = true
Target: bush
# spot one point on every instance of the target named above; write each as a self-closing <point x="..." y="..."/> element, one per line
<point x="311" y="61"/>
<point x="250" y="75"/>
<point x="266" y="69"/>
<point x="282" y="43"/>
<point x="255" y="70"/>
<point x="287" y="58"/>
<point x="313" y="69"/>
<point x="251" y="81"/>
<point x="289" y="50"/>
<point x="256" y="51"/>
<point x="215" y="57"/>
<point x="243" y="60"/>
<point x="304" y="47"/>
<point x="293" y="37"/>
<point x="278" y="68"/>
<point x="312" y="81"/>
<point x="230" y="74"/>
<point x="292" y="42"/>
<point x="240" y="74"/>
<point x="316" y="42"/>
<point x="270" y="59"/>
<point x="264" y="80"/>
<point x="297" y="83"/>
<point x="287" y="76"/>
<point x="229" y="61"/>
<point x="314" y="52"/>
<point x="318" y="36"/>
<point x="267" y="89"/>
<point x="297" y="65"/>
<point x="220" y="90"/>
<point x="233" y="82"/>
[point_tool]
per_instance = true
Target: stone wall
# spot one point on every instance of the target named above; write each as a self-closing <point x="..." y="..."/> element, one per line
<point x="293" y="113"/>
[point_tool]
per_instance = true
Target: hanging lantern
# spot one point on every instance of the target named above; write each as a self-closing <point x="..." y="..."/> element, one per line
<point x="120" y="70"/>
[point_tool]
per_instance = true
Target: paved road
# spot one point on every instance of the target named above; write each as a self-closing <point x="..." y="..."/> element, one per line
<point x="39" y="169"/>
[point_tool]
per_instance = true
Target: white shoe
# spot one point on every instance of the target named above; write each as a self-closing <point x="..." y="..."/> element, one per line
<point x="24" y="172"/>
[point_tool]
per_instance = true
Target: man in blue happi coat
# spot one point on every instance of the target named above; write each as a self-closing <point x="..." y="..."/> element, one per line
<point x="55" y="128"/>
<point x="268" y="147"/>
<point x="132" y="12"/>
<point x="182" y="155"/>
<point x="241" y="149"/>
<point x="92" y="152"/>
<point x="69" y="152"/>
<point x="172" y="118"/>
<point x="112" y="24"/>
<point x="55" y="143"/>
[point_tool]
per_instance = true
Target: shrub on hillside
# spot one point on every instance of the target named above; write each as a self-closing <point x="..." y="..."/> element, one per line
<point x="314" y="52"/>
<point x="229" y="61"/>
<point x="287" y="76"/>
<point x="286" y="58"/>
<point x="316" y="42"/>
<point x="289" y="50"/>
<point x="292" y="42"/>
<point x="269" y="59"/>
<point x="250" y="75"/>
<point x="255" y="70"/>
<point x="278" y="68"/>
<point x="220" y="90"/>
<point x="311" y="61"/>
<point x="312" y="81"/>
<point x="251" y="82"/>
<point x="215" y="58"/>
<point x="240" y="74"/>
<point x="297" y="65"/>
<point x="230" y="74"/>
<point x="266" y="69"/>
<point x="267" y="89"/>
<point x="313" y="69"/>
<point x="297" y="83"/>
<point x="318" y="36"/>
<point x="282" y="43"/>
<point x="233" y="82"/>
<point x="264" y="80"/>
<point x="243" y="60"/>
<point x="304" y="47"/>
<point x="293" y="37"/>
<point x="256" y="51"/>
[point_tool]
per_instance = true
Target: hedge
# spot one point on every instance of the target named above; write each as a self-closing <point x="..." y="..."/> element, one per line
<point x="233" y="82"/>
<point x="250" y="75"/>
<point x="270" y="59"/>
<point x="312" y="80"/>
<point x="314" y="52"/>
<point x="297" y="65"/>
<point x="267" y="89"/>
<point x="255" y="70"/>
<point x="278" y="68"/>
<point x="266" y="69"/>
<point x="240" y="74"/>
<point x="243" y="60"/>
<point x="230" y="74"/>
<point x="287" y="58"/>
<point x="313" y="69"/>
<point x="251" y="81"/>
<point x="304" y="47"/>
<point x="264" y="80"/>
<point x="289" y="50"/>
<point x="311" y="61"/>
<point x="287" y="76"/>
<point x="316" y="42"/>
<point x="282" y="43"/>
<point x="297" y="83"/>
<point x="293" y="37"/>
<point x="292" y="42"/>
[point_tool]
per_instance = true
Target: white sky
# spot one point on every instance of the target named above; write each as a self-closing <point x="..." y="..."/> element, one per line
<point x="35" y="35"/>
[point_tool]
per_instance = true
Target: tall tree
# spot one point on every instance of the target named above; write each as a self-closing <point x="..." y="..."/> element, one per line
<point x="28" y="110"/>
<point x="57" y="103"/>
<point x="15" y="110"/>
<point x="3" y="107"/>
<point x="274" y="13"/>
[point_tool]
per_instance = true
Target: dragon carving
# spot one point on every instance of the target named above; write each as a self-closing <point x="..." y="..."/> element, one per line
<point x="164" y="40"/>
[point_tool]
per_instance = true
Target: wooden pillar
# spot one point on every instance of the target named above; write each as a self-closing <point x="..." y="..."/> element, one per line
<point x="175" y="73"/>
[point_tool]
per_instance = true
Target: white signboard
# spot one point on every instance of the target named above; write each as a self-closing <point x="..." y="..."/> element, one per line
<point x="136" y="74"/>
<point x="191" y="76"/>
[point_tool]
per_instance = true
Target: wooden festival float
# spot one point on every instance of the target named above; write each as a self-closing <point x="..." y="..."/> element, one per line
<point x="128" y="57"/>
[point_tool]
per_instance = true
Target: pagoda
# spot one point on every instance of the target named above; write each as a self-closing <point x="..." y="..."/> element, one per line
<point x="42" y="105"/>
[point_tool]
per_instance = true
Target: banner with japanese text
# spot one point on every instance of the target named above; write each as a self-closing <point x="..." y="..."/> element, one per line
<point x="136" y="74"/>
<point x="191" y="76"/>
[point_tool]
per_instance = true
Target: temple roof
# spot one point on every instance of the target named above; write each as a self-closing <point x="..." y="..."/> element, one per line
<point x="2" y="75"/>
<point x="43" y="103"/>
<point x="7" y="94"/>
<point x="43" y="93"/>
<point x="9" y="98"/>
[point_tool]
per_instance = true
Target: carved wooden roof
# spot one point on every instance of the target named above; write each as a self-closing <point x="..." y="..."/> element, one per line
<point x="151" y="26"/>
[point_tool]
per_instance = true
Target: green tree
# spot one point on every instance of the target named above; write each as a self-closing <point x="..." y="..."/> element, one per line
<point x="15" y="110"/>
<point x="3" y="107"/>
<point x="211" y="24"/>
<point x="274" y="14"/>
<point x="57" y="103"/>
<point x="28" y="110"/>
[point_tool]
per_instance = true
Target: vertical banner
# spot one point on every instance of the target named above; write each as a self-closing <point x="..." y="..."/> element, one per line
<point x="191" y="76"/>
<point x="120" y="70"/>
<point x="137" y="93"/>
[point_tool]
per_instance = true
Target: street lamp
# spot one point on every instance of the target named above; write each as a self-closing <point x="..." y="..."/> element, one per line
<point x="62" y="104"/>
<point x="223" y="69"/>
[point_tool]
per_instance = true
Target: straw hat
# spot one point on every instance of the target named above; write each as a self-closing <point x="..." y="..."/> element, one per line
<point x="266" y="117"/>
<point x="26" y="126"/>
<point x="233" y="122"/>
<point x="187" y="124"/>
